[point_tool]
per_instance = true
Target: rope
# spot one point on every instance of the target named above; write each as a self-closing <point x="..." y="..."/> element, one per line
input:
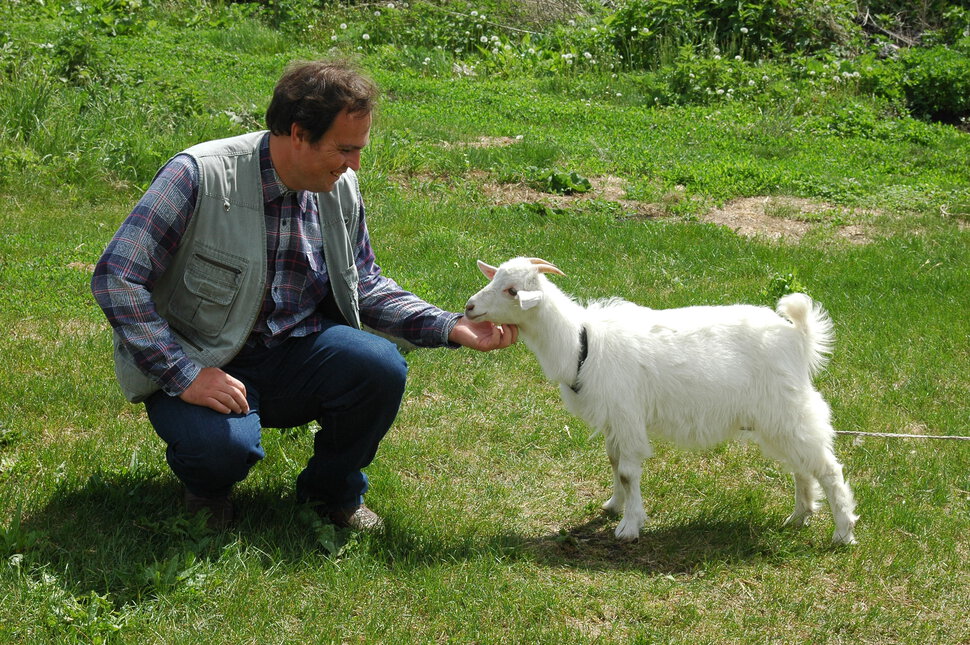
<point x="902" y="436"/>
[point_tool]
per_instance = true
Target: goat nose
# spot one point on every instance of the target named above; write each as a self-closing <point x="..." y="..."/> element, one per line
<point x="469" y="308"/>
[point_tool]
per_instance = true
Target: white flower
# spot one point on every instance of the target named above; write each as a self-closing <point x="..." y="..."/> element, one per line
<point x="519" y="137"/>
<point x="484" y="39"/>
<point x="377" y="13"/>
<point x="572" y="23"/>
<point x="532" y="50"/>
<point x="751" y="83"/>
<point x="744" y="30"/>
<point x="765" y="78"/>
<point x="587" y="55"/>
<point x="719" y="92"/>
<point x="343" y="25"/>
<point x="474" y="14"/>
<point x="718" y="57"/>
<point x="737" y="58"/>
<point x="390" y="5"/>
<point x="366" y="36"/>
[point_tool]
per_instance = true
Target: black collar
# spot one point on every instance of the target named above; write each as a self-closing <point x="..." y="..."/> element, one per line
<point x="583" y="354"/>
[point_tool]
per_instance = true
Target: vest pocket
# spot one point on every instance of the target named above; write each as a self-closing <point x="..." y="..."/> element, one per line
<point x="211" y="285"/>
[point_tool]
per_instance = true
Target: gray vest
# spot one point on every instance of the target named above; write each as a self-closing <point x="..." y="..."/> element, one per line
<point x="212" y="292"/>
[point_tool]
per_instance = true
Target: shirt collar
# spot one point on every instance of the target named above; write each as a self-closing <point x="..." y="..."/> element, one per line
<point x="273" y="186"/>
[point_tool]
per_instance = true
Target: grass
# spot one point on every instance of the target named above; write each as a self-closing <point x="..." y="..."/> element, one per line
<point x="490" y="489"/>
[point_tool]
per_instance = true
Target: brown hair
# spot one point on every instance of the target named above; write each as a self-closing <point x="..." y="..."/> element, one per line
<point x="313" y="93"/>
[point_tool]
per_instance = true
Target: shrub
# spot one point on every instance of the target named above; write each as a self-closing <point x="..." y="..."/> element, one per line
<point x="648" y="32"/>
<point x="936" y="83"/>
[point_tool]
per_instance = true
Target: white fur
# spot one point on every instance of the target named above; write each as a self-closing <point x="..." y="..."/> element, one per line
<point x="695" y="377"/>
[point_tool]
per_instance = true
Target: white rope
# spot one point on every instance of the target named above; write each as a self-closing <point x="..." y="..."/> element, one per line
<point x="902" y="436"/>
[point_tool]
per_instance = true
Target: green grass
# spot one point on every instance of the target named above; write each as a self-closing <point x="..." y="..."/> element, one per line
<point x="490" y="490"/>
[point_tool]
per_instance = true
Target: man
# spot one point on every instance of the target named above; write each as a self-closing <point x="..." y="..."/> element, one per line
<point x="237" y="289"/>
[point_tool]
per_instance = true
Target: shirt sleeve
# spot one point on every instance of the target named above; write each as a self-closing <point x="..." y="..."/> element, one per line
<point x="136" y="257"/>
<point x="388" y="308"/>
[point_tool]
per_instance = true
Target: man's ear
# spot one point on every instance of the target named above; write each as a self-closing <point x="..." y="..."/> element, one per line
<point x="529" y="299"/>
<point x="487" y="269"/>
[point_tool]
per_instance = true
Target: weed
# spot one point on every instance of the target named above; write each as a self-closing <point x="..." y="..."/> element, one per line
<point x="15" y="538"/>
<point x="782" y="284"/>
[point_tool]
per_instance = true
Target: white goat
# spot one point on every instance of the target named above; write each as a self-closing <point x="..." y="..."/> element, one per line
<point x="694" y="376"/>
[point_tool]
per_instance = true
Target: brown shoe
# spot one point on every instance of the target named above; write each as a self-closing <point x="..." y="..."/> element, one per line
<point x="358" y="519"/>
<point x="220" y="509"/>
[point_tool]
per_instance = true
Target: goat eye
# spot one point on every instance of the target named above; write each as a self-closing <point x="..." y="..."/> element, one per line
<point x="512" y="291"/>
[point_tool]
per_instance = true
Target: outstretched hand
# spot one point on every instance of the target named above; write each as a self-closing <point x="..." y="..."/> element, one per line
<point x="216" y="389"/>
<point x="483" y="336"/>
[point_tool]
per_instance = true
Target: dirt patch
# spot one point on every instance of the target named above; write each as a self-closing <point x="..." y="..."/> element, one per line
<point x="484" y="142"/>
<point x="778" y="218"/>
<point x="784" y="218"/>
<point x="606" y="188"/>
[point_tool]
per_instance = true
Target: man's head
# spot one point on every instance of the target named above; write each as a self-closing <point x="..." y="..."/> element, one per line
<point x="320" y="118"/>
<point x="312" y="93"/>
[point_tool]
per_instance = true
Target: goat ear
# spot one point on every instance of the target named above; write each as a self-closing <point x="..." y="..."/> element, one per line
<point x="529" y="299"/>
<point x="487" y="269"/>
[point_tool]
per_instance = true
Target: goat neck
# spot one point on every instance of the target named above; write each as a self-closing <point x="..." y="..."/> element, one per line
<point x="553" y="334"/>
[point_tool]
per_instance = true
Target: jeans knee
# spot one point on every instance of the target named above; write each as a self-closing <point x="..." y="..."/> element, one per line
<point x="208" y="451"/>
<point x="394" y="373"/>
<point x="381" y="364"/>
<point x="232" y="455"/>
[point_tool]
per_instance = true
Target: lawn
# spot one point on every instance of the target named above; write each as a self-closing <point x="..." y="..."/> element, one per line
<point x="490" y="489"/>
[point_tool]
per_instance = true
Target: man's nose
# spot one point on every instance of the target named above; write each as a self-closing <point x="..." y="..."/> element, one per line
<point x="353" y="160"/>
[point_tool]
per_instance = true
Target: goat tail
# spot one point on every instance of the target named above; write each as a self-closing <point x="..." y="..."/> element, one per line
<point x="815" y="324"/>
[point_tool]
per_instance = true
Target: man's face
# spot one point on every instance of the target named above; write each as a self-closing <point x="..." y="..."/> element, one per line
<point x="318" y="166"/>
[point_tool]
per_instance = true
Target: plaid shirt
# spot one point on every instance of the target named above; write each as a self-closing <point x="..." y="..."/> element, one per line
<point x="296" y="282"/>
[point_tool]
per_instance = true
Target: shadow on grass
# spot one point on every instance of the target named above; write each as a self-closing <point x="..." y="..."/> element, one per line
<point x="124" y="534"/>
<point x="683" y="548"/>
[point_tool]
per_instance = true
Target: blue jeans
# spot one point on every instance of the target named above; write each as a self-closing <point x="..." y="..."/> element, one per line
<point x="349" y="381"/>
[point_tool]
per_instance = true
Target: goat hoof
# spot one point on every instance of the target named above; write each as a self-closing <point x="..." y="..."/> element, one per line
<point x="611" y="508"/>
<point x="844" y="540"/>
<point x="627" y="531"/>
<point x="798" y="520"/>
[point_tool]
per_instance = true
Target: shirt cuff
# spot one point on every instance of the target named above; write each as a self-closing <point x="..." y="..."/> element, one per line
<point x="179" y="377"/>
<point x="448" y="327"/>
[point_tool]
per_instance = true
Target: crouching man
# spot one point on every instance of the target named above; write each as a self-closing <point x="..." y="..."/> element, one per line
<point x="237" y="289"/>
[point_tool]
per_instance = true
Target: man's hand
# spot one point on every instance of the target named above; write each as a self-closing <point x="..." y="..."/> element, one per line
<point x="483" y="336"/>
<point x="215" y="389"/>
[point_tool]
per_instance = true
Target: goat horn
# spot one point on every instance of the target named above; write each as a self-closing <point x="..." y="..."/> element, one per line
<point x="545" y="266"/>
